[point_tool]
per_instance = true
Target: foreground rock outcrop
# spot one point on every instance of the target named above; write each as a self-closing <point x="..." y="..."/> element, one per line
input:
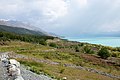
<point x="10" y="69"/>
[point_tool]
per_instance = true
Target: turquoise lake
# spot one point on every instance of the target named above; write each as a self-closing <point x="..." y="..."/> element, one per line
<point x="106" y="41"/>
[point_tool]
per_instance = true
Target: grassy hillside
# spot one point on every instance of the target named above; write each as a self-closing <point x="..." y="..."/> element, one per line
<point x="61" y="58"/>
<point x="50" y="61"/>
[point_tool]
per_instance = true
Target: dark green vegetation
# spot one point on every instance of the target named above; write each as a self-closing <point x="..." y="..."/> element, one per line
<point x="6" y="36"/>
<point x="104" y="53"/>
<point x="52" y="57"/>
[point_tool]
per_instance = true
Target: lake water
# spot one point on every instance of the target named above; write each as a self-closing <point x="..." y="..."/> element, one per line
<point x="107" y="41"/>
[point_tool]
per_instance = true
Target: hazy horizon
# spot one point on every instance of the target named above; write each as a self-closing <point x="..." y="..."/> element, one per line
<point x="69" y="18"/>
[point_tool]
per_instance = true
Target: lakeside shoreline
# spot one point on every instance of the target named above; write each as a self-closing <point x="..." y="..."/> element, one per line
<point x="105" y="41"/>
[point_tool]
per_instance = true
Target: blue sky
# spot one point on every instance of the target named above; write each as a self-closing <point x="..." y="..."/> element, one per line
<point x="65" y="17"/>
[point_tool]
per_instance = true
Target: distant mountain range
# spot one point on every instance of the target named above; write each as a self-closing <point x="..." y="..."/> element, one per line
<point x="22" y="28"/>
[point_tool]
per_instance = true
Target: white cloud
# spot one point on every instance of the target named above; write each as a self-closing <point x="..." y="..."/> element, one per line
<point x="8" y="8"/>
<point x="13" y="8"/>
<point x="115" y="4"/>
<point x="50" y="9"/>
<point x="54" y="9"/>
<point x="81" y="3"/>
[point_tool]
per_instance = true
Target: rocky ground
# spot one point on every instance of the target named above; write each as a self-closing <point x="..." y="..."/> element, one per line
<point x="26" y="74"/>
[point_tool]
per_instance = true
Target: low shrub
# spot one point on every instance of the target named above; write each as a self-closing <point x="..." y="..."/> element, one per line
<point x="104" y="53"/>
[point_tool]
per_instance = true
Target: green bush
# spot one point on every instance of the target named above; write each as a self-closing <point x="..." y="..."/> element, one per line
<point x="53" y="45"/>
<point x="42" y="42"/>
<point x="104" y="53"/>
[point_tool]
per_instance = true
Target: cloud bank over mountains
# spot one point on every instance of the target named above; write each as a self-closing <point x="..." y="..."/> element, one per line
<point x="65" y="17"/>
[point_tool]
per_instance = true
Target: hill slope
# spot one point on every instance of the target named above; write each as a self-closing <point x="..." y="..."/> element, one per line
<point x="20" y="30"/>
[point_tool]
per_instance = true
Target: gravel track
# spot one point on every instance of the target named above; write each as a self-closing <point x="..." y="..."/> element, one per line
<point x="28" y="75"/>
